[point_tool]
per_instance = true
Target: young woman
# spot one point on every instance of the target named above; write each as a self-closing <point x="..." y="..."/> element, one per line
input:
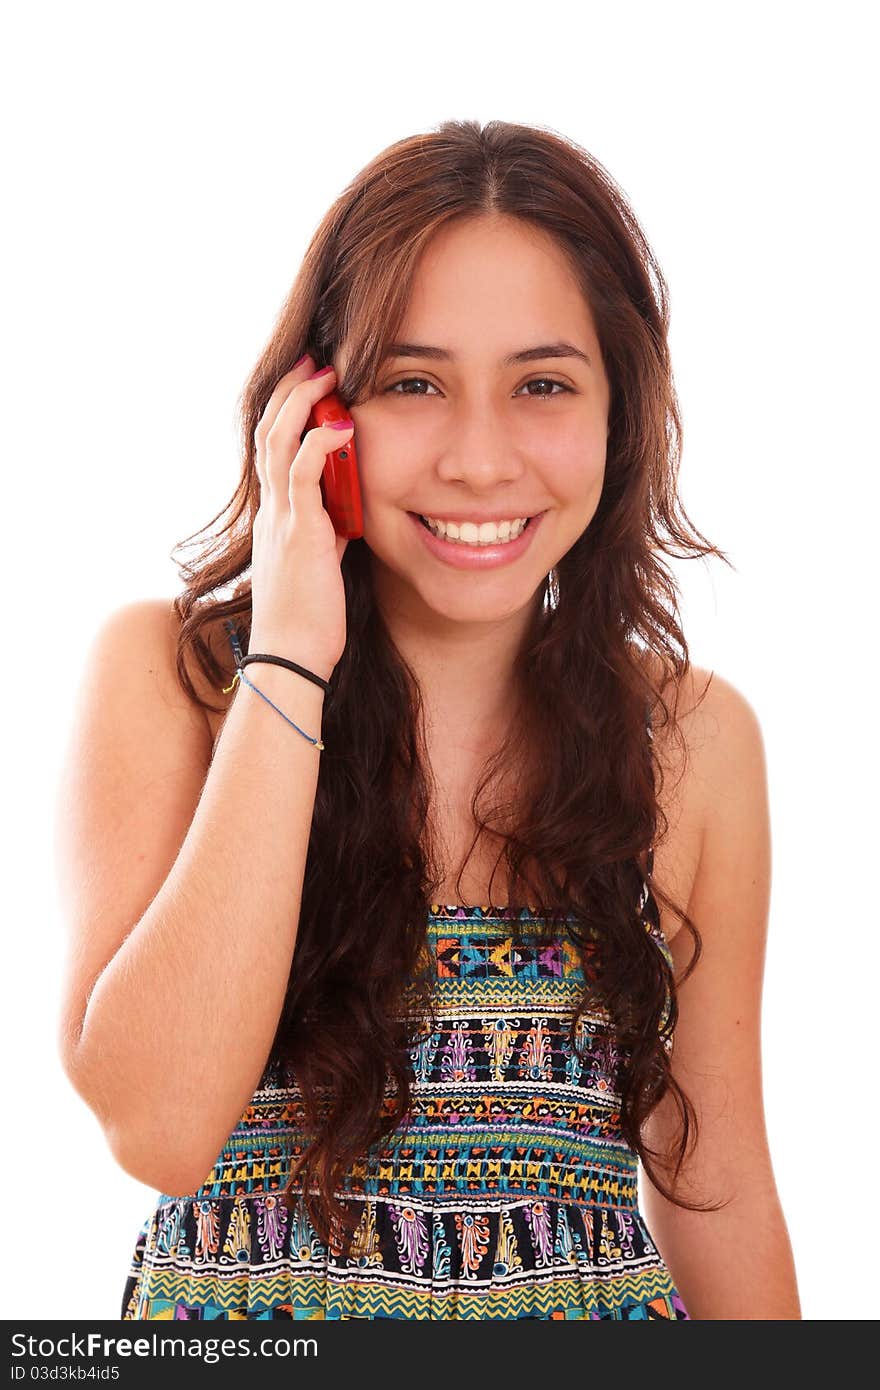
<point x="378" y="957"/>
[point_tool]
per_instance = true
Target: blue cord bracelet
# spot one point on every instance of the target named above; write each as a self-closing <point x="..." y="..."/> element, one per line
<point x="240" y="676"/>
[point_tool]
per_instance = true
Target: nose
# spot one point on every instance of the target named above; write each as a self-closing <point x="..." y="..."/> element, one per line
<point x="479" y="450"/>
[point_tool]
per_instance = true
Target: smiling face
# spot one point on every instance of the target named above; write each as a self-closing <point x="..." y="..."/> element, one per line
<point x="475" y="432"/>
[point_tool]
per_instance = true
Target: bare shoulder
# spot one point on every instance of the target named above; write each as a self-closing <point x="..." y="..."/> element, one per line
<point x="141" y="637"/>
<point x="713" y="734"/>
<point x="711" y="757"/>
<point x="138" y="752"/>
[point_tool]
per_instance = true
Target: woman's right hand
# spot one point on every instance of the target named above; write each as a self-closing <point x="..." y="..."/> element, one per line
<point x="297" y="591"/>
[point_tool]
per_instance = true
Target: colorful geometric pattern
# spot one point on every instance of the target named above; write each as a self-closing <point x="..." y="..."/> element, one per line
<point x="508" y="1191"/>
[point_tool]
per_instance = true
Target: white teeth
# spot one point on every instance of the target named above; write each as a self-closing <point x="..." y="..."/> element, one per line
<point x="468" y="533"/>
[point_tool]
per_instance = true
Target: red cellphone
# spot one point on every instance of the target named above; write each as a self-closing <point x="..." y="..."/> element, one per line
<point x="340" y="486"/>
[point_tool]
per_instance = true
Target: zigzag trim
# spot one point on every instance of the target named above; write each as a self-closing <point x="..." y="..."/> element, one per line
<point x="353" y="1295"/>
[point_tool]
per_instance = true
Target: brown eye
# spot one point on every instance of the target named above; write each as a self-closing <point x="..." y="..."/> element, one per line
<point x="409" y="381"/>
<point x="546" y="381"/>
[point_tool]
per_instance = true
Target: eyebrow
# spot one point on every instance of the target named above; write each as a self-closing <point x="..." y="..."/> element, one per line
<point x="532" y="354"/>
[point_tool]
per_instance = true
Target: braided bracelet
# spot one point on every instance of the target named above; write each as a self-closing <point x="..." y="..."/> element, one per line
<point x="289" y="665"/>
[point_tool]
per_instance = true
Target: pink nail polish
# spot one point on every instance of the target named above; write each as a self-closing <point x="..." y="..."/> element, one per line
<point x="299" y="361"/>
<point x="321" y="372"/>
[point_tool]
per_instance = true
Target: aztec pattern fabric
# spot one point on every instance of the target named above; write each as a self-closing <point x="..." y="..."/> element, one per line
<point x="510" y="1193"/>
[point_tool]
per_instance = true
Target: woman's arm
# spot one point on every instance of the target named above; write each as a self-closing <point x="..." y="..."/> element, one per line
<point x="181" y="876"/>
<point x="734" y="1263"/>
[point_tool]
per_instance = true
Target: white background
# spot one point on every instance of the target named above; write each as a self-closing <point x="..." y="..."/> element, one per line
<point x="165" y="166"/>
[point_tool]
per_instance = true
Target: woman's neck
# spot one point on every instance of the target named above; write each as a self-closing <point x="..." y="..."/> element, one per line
<point x="465" y="671"/>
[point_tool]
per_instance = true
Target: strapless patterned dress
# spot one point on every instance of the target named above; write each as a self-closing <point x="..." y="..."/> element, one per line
<point x="510" y="1193"/>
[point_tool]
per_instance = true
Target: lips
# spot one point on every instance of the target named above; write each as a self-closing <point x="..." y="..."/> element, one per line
<point x="477" y="558"/>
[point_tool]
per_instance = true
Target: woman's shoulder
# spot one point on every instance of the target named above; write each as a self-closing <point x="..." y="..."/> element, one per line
<point x="712" y="719"/>
<point x="145" y="632"/>
<point x="711" y="745"/>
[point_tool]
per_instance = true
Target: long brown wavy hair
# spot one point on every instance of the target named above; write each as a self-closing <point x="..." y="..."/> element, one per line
<point x="605" y="638"/>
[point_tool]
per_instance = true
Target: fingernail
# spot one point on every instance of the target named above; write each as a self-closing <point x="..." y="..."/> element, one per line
<point x="321" y="372"/>
<point x="341" y="424"/>
<point x="299" y="361"/>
